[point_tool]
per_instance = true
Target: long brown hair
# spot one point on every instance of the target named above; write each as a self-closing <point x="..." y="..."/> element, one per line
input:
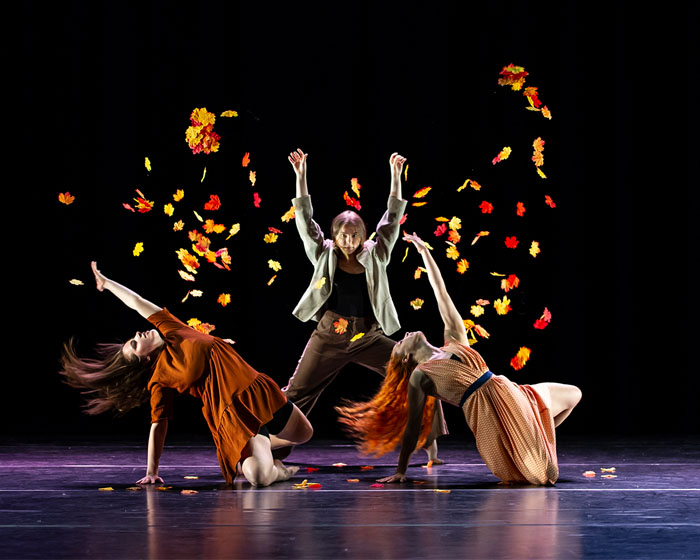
<point x="378" y="424"/>
<point x="349" y="217"/>
<point x="108" y="382"/>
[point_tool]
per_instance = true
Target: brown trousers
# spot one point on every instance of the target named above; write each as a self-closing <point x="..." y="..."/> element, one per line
<point x="328" y="351"/>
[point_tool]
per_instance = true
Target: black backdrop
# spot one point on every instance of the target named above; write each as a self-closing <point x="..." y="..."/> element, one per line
<point x="105" y="85"/>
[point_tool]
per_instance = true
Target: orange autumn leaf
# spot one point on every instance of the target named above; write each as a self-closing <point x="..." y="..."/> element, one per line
<point x="246" y="159"/>
<point x="271" y="280"/>
<point x="66" y="198"/>
<point x="503" y="154"/>
<point x="520" y="209"/>
<point x="211" y="227"/>
<point x="417" y="303"/>
<point x="214" y="203"/>
<point x="341" y="325"/>
<point x="513" y="76"/>
<point x="546" y="113"/>
<point x="521" y="358"/>
<point x="537" y="157"/>
<point x="189" y="261"/>
<point x="589" y="474"/>
<point x="416" y="204"/>
<point x="462" y="266"/>
<point x="179" y="195"/>
<point x="549" y="202"/>
<point x="420" y="193"/>
<point x="355" y="186"/>
<point x="224" y="299"/>
<point x="417" y="273"/>
<point x="479" y="236"/>
<point x="350" y="201"/>
<point x="509" y="283"/>
<point x="288" y="215"/>
<point x="454" y="236"/>
<point x="270" y="238"/>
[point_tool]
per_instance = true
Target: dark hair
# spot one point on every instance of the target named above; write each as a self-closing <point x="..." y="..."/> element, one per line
<point x="348" y="217"/>
<point x="108" y="382"/>
<point x="378" y="424"/>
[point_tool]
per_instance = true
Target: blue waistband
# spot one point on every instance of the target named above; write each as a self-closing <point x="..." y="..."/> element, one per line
<point x="474" y="386"/>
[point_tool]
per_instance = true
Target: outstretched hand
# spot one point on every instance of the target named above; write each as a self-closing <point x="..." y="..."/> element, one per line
<point x="100" y="279"/>
<point x="396" y="477"/>
<point x="396" y="162"/>
<point x="298" y="161"/>
<point x="417" y="241"/>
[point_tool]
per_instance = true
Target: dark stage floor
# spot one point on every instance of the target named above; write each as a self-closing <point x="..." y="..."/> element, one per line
<point x="52" y="505"/>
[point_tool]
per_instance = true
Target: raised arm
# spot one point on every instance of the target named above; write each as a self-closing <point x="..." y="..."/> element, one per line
<point x="131" y="299"/>
<point x="454" y="325"/>
<point x="396" y="164"/>
<point x="298" y="161"/>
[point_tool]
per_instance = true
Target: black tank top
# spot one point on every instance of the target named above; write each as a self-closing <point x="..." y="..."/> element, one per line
<point x="350" y="296"/>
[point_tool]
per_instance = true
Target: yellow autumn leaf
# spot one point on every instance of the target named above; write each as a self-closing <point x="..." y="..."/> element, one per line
<point x="320" y="283"/>
<point x="358" y="336"/>
<point x="455" y="223"/>
<point x="288" y="215"/>
<point x="477" y="310"/>
<point x="535" y="249"/>
<point x="224" y="299"/>
<point x="185" y="276"/>
<point x="252" y="177"/>
<point x="417" y="273"/>
<point x="502" y="306"/>
<point x="417" y="204"/>
<point x="179" y="225"/>
<point x="405" y="254"/>
<point x="169" y="209"/>
<point x="452" y="252"/>
<point x="179" y="195"/>
<point x="147" y="163"/>
<point x="274" y="265"/>
<point x="235" y="228"/>
<point x="138" y="249"/>
<point x="229" y="113"/>
<point x="541" y="173"/>
<point x="76" y="282"/>
<point x="405" y="173"/>
<point x="417" y="303"/>
<point x="204" y="174"/>
<point x="197" y="216"/>
<point x="420" y="193"/>
<point x="270" y="238"/>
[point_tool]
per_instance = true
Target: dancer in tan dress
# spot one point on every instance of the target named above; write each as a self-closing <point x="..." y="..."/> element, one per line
<point x="513" y="424"/>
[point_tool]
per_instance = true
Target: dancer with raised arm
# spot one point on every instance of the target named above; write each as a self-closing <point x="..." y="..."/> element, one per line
<point x="513" y="424"/>
<point x="348" y="295"/>
<point x="246" y="411"/>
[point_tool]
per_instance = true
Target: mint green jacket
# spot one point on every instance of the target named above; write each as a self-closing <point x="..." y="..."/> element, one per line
<point x="374" y="257"/>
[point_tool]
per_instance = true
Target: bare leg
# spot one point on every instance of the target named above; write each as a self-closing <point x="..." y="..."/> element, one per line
<point x="298" y="430"/>
<point x="560" y="399"/>
<point x="260" y="469"/>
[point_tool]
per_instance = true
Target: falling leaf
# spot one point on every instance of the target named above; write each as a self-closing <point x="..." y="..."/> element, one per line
<point x="188" y="260"/>
<point x="512" y="242"/>
<point x="479" y="236"/>
<point x="138" y="249"/>
<point x="229" y="113"/>
<point x="541" y="173"/>
<point x="429" y="465"/>
<point x="179" y="195"/>
<point x="462" y="266"/>
<point x="186" y="276"/>
<point x="520" y="209"/>
<point x="482" y="302"/>
<point x="66" y="198"/>
<point x="417" y="303"/>
<point x="513" y="76"/>
<point x="417" y="273"/>
<point x="496" y="274"/>
<point x="589" y="474"/>
<point x="211" y="227"/>
<point x="521" y="358"/>
<point x="502" y="306"/>
<point x="235" y="228"/>
<point x="204" y="174"/>
<point x="256" y="200"/>
<point x="544" y="320"/>
<point x="503" y="154"/>
<point x="350" y="201"/>
<point x="320" y="283"/>
<point x="252" y="177"/>
<point x="358" y="336"/>
<point x="214" y="203"/>
<point x="196" y="215"/>
<point x="546" y="113"/>
<point x="148" y="164"/>
<point x="441" y="229"/>
<point x="418" y="204"/>
<point x="224" y="299"/>
<point x="403" y="219"/>
<point x="486" y="207"/>
<point x="271" y="280"/>
<point x="340" y="325"/>
<point x="288" y="215"/>
<point x="76" y="282"/>
<point x="405" y="254"/>
<point x="452" y="252"/>
<point x="464" y="186"/>
<point x="476" y="310"/>
<point x="355" y="186"/>
<point x="270" y="238"/>
<point x="455" y="223"/>
<point x="274" y="265"/>
<point x="535" y="249"/>
<point x="179" y="225"/>
<point x="507" y="284"/>
<point x="128" y="207"/>
<point x="143" y="205"/>
<point x="537" y="157"/>
<point x="405" y="173"/>
<point x="164" y="488"/>
<point x="420" y="193"/>
<point x="549" y="202"/>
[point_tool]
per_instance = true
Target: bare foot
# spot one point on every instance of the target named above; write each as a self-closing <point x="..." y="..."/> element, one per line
<point x="432" y="451"/>
<point x="284" y="473"/>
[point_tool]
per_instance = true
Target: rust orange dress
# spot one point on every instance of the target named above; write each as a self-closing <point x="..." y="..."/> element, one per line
<point x="236" y="399"/>
<point x="512" y="425"/>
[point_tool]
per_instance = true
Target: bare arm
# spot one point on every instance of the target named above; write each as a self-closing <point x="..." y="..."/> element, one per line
<point x="416" y="404"/>
<point x="298" y="161"/>
<point x="454" y="325"/>
<point x="396" y="164"/>
<point x="156" y="439"/>
<point x="131" y="299"/>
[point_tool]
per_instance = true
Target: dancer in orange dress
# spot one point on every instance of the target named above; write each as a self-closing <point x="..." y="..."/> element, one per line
<point x="513" y="424"/>
<point x="246" y="411"/>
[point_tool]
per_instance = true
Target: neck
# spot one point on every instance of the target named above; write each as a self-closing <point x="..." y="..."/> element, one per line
<point x="426" y="352"/>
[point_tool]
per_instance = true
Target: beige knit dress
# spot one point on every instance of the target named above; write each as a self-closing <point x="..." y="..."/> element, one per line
<point x="512" y="425"/>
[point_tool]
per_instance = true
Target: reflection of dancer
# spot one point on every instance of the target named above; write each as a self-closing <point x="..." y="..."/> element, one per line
<point x="246" y="411"/>
<point x="350" y="284"/>
<point x="513" y="424"/>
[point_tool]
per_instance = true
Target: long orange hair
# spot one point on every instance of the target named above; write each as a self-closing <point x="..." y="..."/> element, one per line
<point x="378" y="424"/>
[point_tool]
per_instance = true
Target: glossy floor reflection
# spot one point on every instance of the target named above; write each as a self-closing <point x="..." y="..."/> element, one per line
<point x="51" y="505"/>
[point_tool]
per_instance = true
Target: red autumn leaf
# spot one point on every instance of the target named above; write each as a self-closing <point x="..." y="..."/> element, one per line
<point x="274" y="230"/>
<point x="256" y="200"/>
<point x="246" y="159"/>
<point x="521" y="358"/>
<point x="403" y="219"/>
<point x="509" y="283"/>
<point x="540" y="324"/>
<point x="512" y="242"/>
<point x="214" y="203"/>
<point x="144" y="205"/>
<point x="128" y="206"/>
<point x="350" y="201"/>
<point x="549" y="202"/>
<point x="520" y="209"/>
<point x="486" y="207"/>
<point x="420" y="193"/>
<point x="441" y="229"/>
